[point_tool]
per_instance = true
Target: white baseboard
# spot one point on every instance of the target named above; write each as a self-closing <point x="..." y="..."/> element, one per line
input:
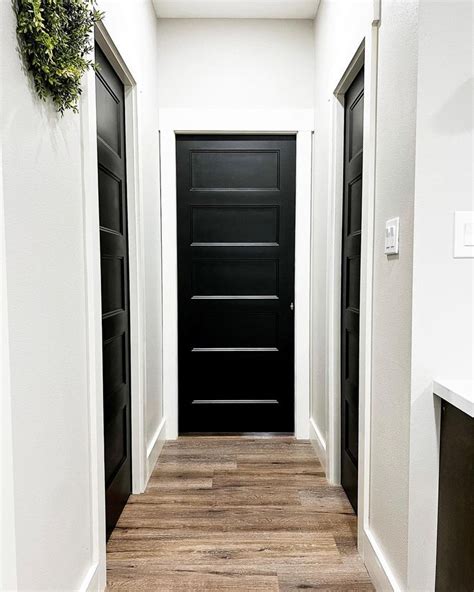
<point x="154" y="448"/>
<point x="93" y="581"/>
<point x="318" y="442"/>
<point x="377" y="565"/>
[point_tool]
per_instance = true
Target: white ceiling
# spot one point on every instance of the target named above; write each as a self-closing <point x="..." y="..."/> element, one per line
<point x="270" y="9"/>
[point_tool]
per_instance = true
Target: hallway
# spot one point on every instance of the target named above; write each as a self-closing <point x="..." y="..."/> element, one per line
<point x="236" y="514"/>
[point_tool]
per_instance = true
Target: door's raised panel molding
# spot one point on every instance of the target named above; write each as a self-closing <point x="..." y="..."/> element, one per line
<point x="241" y="225"/>
<point x="234" y="244"/>
<point x="235" y="402"/>
<point x="227" y="169"/>
<point x="234" y="349"/>
<point x="236" y="297"/>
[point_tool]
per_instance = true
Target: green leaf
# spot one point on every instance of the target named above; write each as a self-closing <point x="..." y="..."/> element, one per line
<point x="54" y="39"/>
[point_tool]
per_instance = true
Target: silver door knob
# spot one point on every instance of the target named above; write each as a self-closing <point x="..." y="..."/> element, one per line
<point x="292" y="306"/>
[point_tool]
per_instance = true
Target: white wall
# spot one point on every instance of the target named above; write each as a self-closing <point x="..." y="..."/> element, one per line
<point x="46" y="307"/>
<point x="443" y="287"/>
<point x="45" y="270"/>
<point x="235" y="64"/>
<point x="391" y="348"/>
<point x="340" y="28"/>
<point x="8" y="580"/>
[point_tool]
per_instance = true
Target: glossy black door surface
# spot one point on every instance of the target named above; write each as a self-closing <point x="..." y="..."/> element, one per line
<point x="350" y="296"/>
<point x="236" y="211"/>
<point x="115" y="288"/>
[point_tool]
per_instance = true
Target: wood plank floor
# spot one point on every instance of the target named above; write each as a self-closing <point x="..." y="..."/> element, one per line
<point x="235" y="514"/>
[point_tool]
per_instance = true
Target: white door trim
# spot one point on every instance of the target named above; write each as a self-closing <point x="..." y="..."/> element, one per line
<point x="336" y="189"/>
<point x="136" y="260"/>
<point x="367" y="55"/>
<point x="299" y="122"/>
<point x="96" y="577"/>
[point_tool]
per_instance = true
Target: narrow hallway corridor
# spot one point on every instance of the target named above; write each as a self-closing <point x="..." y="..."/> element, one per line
<point x="237" y="514"/>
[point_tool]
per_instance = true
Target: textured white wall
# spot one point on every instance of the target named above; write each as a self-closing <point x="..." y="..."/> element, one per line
<point x="395" y="178"/>
<point x="8" y="579"/>
<point x="443" y="287"/>
<point x="235" y="64"/>
<point x="45" y="272"/>
<point x="46" y="306"/>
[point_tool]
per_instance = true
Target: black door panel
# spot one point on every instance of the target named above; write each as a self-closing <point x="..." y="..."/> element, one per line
<point x="350" y="297"/>
<point x="236" y="208"/>
<point x="115" y="289"/>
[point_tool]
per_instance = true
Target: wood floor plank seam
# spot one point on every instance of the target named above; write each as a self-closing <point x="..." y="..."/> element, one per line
<point x="237" y="514"/>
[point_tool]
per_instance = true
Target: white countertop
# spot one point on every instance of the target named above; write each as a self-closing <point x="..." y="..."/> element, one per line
<point x="459" y="393"/>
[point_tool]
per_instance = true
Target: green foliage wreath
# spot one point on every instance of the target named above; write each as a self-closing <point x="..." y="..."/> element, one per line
<point x="54" y="38"/>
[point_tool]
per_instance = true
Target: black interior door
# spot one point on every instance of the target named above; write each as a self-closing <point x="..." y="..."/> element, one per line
<point x="115" y="288"/>
<point x="350" y="297"/>
<point x="236" y="210"/>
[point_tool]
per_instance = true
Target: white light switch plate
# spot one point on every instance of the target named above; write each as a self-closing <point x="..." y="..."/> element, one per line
<point x="392" y="231"/>
<point x="463" y="234"/>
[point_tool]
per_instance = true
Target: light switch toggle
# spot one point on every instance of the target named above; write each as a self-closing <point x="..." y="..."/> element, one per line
<point x="469" y="234"/>
<point x="464" y="234"/>
<point x="392" y="228"/>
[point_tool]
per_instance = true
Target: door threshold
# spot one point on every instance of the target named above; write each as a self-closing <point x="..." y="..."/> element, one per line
<point x="237" y="434"/>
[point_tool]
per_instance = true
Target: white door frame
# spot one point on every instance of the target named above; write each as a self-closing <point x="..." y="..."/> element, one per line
<point x="366" y="55"/>
<point x="299" y="122"/>
<point x="335" y="225"/>
<point x="336" y="190"/>
<point x="136" y="260"/>
<point x="96" y="577"/>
